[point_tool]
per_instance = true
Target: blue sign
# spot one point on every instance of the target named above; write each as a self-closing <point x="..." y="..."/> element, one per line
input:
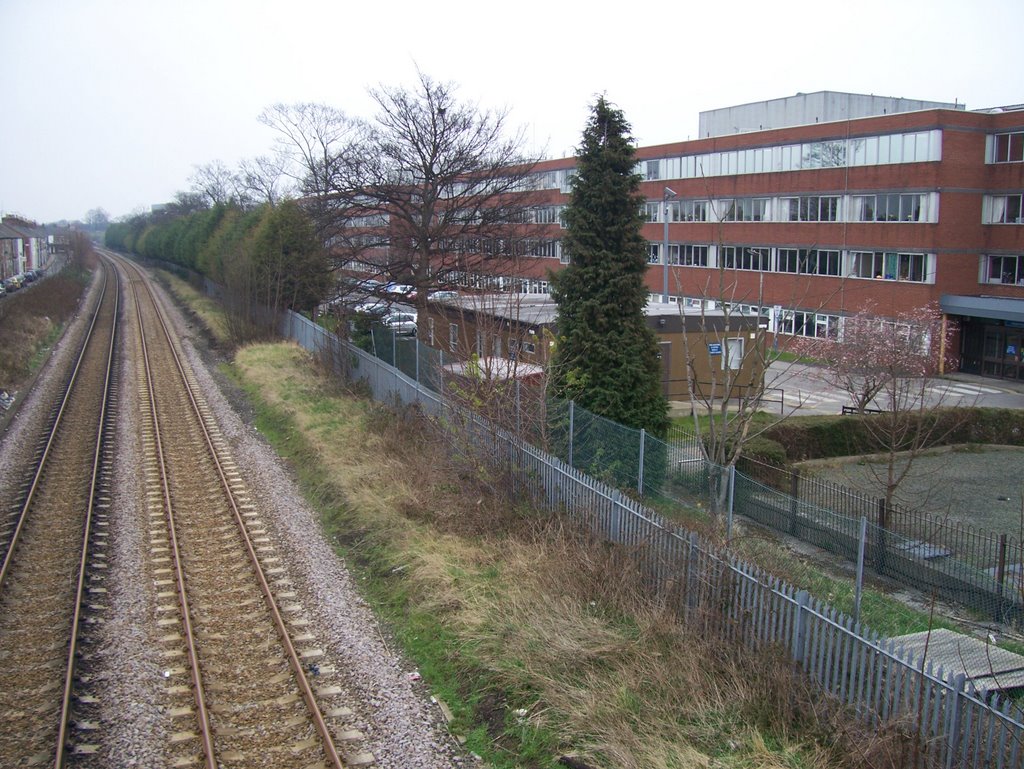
<point x="714" y="348"/>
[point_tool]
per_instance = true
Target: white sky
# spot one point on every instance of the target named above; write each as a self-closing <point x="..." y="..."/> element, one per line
<point x="111" y="103"/>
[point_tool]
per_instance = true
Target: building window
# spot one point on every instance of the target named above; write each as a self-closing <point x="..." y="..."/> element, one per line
<point x="808" y="261"/>
<point x="547" y="214"/>
<point x="813" y="324"/>
<point x="917" y="147"/>
<point x="884" y="265"/>
<point x="893" y="207"/>
<point x="868" y="264"/>
<point x="689" y="256"/>
<point x="810" y="208"/>
<point x="1002" y="209"/>
<point x="1008" y="270"/>
<point x="747" y="258"/>
<point x="745" y="210"/>
<point x="688" y="210"/>
<point x="1007" y="148"/>
<point x="651" y="212"/>
<point x="545" y="249"/>
<point x="453" y="336"/>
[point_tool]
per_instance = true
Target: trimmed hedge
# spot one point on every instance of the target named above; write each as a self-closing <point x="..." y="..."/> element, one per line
<point x="842" y="436"/>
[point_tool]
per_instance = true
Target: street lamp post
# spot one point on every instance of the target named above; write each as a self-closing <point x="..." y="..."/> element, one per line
<point x="667" y="195"/>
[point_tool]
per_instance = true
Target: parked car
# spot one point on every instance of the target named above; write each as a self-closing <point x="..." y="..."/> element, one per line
<point x="3" y="288"/>
<point x="378" y="308"/>
<point x="401" y="291"/>
<point x="12" y="283"/>
<point x="442" y="296"/>
<point x="29" y="276"/>
<point x="402" y="323"/>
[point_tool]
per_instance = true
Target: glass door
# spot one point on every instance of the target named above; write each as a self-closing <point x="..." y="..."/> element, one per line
<point x="1013" y="362"/>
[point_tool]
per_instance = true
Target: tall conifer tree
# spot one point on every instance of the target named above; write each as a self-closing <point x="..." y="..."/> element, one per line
<point x="606" y="357"/>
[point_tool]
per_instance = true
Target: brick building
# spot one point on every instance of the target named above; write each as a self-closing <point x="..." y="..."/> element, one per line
<point x="817" y="205"/>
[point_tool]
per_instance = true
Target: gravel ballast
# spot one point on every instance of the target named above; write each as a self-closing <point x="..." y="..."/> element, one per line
<point x="402" y="727"/>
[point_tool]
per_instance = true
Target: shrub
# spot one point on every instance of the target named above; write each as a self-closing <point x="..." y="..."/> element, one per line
<point x="847" y="435"/>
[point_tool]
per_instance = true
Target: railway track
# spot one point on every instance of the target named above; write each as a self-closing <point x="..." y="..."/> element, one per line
<point x="246" y="682"/>
<point x="52" y="543"/>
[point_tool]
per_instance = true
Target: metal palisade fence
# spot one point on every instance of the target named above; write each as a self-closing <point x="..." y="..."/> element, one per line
<point x="976" y="568"/>
<point x="956" y="725"/>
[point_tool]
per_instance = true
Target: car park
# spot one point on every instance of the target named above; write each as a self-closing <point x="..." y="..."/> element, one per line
<point x="402" y="323"/>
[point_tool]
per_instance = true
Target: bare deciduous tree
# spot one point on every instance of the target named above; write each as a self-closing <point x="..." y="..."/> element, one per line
<point x="432" y="190"/>
<point x="260" y="178"/>
<point x="314" y="141"/>
<point x="215" y="183"/>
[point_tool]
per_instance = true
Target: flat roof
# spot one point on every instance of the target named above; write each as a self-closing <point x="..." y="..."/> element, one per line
<point x="991" y="307"/>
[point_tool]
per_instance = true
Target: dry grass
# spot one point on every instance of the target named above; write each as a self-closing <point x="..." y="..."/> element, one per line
<point x="570" y="642"/>
<point x="30" y="319"/>
<point x="207" y="310"/>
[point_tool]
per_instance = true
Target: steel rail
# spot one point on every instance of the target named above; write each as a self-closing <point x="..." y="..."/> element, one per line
<point x="37" y="476"/>
<point x="285" y="640"/>
<point x="203" y="715"/>
<point x="83" y="563"/>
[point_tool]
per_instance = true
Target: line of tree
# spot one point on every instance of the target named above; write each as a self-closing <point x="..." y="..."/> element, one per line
<point x="265" y="257"/>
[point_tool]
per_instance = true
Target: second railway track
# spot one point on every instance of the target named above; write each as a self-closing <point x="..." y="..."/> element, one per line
<point x="46" y="553"/>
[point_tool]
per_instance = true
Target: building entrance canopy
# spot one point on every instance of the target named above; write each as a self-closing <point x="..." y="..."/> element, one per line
<point x="988" y="307"/>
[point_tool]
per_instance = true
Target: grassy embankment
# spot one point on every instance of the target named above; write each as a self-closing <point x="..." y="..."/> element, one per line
<point x="539" y="642"/>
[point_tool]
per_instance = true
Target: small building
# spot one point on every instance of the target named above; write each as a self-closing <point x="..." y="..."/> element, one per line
<point x="521" y="328"/>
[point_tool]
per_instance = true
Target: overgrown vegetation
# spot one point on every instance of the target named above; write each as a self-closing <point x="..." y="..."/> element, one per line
<point x="543" y="643"/>
<point x="32" y="319"/>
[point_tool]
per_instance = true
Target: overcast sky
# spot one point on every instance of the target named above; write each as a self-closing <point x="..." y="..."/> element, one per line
<point x="111" y="103"/>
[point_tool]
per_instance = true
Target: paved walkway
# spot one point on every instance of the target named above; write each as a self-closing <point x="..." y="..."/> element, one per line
<point x="800" y="388"/>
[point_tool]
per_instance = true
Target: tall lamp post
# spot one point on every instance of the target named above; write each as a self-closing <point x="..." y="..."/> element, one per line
<point x="667" y="195"/>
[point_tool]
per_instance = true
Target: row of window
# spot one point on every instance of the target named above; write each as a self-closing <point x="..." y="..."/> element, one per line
<point x="917" y="147"/>
<point x="370" y="220"/>
<point x="884" y="207"/>
<point x="878" y="265"/>
<point x="887" y="149"/>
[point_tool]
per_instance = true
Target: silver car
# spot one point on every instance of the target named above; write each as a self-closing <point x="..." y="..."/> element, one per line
<point x="402" y="323"/>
